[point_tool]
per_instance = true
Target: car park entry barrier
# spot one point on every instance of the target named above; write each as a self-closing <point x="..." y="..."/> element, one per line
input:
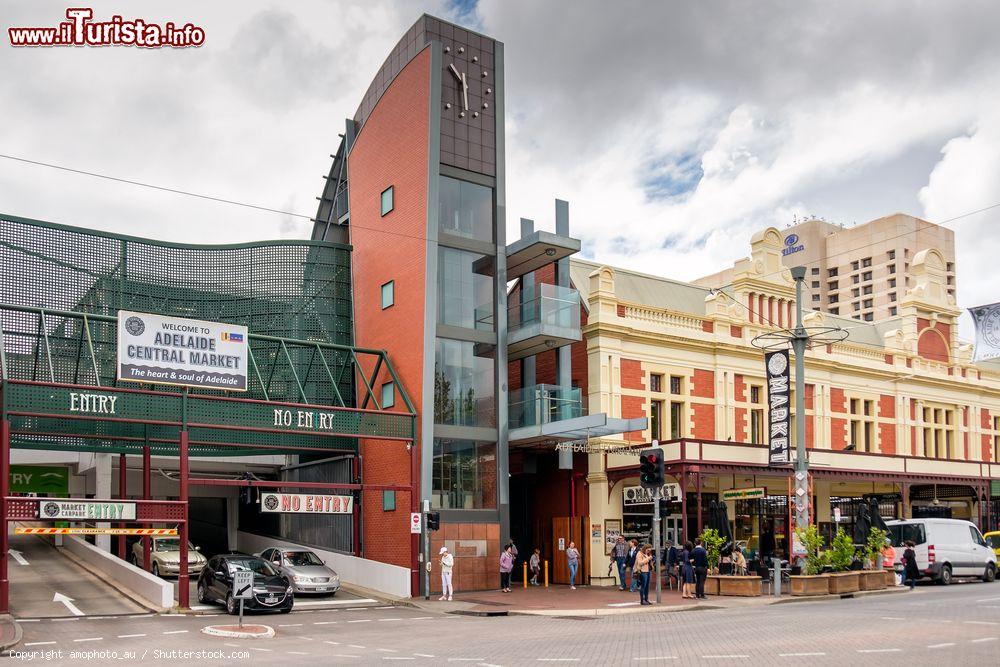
<point x="158" y="532"/>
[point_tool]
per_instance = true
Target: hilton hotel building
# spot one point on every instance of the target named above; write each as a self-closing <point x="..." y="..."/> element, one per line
<point x="860" y="272"/>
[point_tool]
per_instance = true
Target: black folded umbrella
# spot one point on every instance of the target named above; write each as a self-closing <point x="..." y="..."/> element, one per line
<point x="876" y="516"/>
<point x="724" y="531"/>
<point x="862" y="524"/>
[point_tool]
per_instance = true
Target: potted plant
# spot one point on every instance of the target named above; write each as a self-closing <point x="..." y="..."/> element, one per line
<point x="712" y="541"/>
<point x="813" y="582"/>
<point x="842" y="554"/>
<point x="873" y="578"/>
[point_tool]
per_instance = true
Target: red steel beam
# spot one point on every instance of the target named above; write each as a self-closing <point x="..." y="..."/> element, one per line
<point x="273" y="484"/>
<point x="146" y="489"/>
<point x="122" y="483"/>
<point x="4" y="492"/>
<point x="183" y="585"/>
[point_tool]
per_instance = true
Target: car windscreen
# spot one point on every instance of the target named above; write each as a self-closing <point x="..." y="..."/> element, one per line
<point x="993" y="541"/>
<point x="901" y="532"/>
<point x="301" y="558"/>
<point x="256" y="565"/>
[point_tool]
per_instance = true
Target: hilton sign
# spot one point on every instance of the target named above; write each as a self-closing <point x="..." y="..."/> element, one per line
<point x="792" y="245"/>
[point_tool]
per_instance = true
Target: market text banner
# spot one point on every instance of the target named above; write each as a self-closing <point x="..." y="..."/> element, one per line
<point x="304" y="503"/>
<point x="779" y="416"/>
<point x="189" y="353"/>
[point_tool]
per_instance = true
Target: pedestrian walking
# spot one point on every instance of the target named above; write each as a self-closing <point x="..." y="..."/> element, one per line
<point x="506" y="567"/>
<point x="910" y="570"/>
<point x="643" y="566"/>
<point x="447" y="563"/>
<point x="633" y="551"/>
<point x="699" y="558"/>
<point x="687" y="571"/>
<point x="618" y="553"/>
<point x="573" y="560"/>
<point x="535" y="565"/>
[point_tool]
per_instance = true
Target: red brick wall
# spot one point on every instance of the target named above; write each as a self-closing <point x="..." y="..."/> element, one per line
<point x="735" y="331"/>
<point x="985" y="419"/>
<point x="987" y="449"/>
<point x="838" y="433"/>
<point x="620" y="310"/>
<point x="703" y="384"/>
<point x="887" y="406"/>
<point x="741" y="425"/>
<point x="392" y="150"/>
<point x="810" y="396"/>
<point x="887" y="438"/>
<point x="633" y="406"/>
<point x="703" y="415"/>
<point x="632" y="374"/>
<point x="932" y="346"/>
<point x="739" y="387"/>
<point x="838" y="400"/>
<point x="707" y="326"/>
<point x="810" y="431"/>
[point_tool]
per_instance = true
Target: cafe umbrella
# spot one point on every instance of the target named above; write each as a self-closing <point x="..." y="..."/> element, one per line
<point x="862" y="524"/>
<point x="876" y="516"/>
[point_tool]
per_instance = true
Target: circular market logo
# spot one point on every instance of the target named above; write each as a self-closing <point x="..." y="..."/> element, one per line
<point x="777" y="364"/>
<point x="990" y="327"/>
<point x="271" y="502"/>
<point x="135" y="326"/>
<point x="791" y="240"/>
<point x="50" y="509"/>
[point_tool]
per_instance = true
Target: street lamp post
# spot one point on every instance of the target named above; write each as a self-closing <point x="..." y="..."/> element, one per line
<point x="799" y="339"/>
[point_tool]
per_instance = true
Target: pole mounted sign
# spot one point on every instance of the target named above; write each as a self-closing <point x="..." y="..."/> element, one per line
<point x="303" y="503"/>
<point x="188" y="353"/>
<point x="779" y="416"/>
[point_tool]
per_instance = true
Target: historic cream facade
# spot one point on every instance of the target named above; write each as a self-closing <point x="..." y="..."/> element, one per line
<point x="897" y="408"/>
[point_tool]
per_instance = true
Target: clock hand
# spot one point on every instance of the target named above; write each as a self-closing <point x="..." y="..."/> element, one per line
<point x="454" y="71"/>
<point x="465" y="92"/>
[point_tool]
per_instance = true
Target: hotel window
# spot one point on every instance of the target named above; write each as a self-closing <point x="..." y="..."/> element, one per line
<point x="892" y="254"/>
<point x="465" y="289"/>
<point x="892" y="296"/>
<point x="655" y="420"/>
<point x="834" y="298"/>
<point x="856" y="292"/>
<point x="815" y="284"/>
<point x="464" y="474"/>
<point x="388" y="294"/>
<point x="862" y="426"/>
<point x="869" y="317"/>
<point x="892" y="283"/>
<point x="867" y="289"/>
<point x="387" y="203"/>
<point x="756" y="416"/>
<point x="815" y="297"/>
<point x="833" y="284"/>
<point x="855" y="279"/>
<point x="832" y="273"/>
<point x="676" y="419"/>
<point x="892" y="310"/>
<point x="835" y="311"/>
<point x="892" y="268"/>
<point x="867" y="275"/>
<point x="656" y="382"/>
<point x="754" y="394"/>
<point x="464" y="391"/>
<point x="815" y="271"/>
<point x="866" y="262"/>
<point x="675" y="384"/>
<point x="388" y="395"/>
<point x="854" y="265"/>
<point x="466" y="209"/>
<point x="857" y="306"/>
<point x="950" y="266"/>
<point x="867" y="303"/>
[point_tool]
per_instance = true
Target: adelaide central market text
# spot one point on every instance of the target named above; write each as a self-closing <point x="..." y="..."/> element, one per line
<point x="184" y="349"/>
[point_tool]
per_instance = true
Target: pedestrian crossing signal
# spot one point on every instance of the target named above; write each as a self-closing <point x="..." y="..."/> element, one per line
<point x="651" y="469"/>
<point x="433" y="520"/>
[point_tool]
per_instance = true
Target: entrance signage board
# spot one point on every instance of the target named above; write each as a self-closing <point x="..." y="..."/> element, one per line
<point x="744" y="494"/>
<point x="636" y="495"/>
<point x="50" y="480"/>
<point x="305" y="503"/>
<point x="779" y="415"/>
<point x="188" y="353"/>
<point x="85" y="510"/>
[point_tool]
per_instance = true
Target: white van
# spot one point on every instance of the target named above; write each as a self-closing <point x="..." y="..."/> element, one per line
<point x="945" y="548"/>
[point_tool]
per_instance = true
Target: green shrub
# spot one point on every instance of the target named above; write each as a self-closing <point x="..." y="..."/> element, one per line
<point x="812" y="542"/>
<point x="712" y="542"/>
<point x="842" y="551"/>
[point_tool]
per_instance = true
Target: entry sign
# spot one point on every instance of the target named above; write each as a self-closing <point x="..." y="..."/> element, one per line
<point x="86" y="510"/>
<point x="51" y="480"/>
<point x="305" y="503"/>
<point x="415" y="523"/>
<point x="779" y="416"/>
<point x="243" y="584"/>
<point x="177" y="351"/>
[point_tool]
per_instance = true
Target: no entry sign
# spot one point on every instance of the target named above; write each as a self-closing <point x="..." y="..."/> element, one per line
<point x="304" y="503"/>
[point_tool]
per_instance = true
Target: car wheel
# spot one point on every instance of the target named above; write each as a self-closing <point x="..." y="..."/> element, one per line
<point x="945" y="577"/>
<point x="202" y="594"/>
<point x="231" y="606"/>
<point x="156" y="570"/>
<point x="991" y="573"/>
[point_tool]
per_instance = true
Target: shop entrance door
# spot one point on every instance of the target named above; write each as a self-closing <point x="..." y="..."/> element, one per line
<point x="671" y="528"/>
<point x="566" y="529"/>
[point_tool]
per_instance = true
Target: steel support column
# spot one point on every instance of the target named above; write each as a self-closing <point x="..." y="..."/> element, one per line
<point x="684" y="502"/>
<point x="356" y="528"/>
<point x="4" y="527"/>
<point x="145" y="496"/>
<point x="122" y="483"/>
<point x="697" y="482"/>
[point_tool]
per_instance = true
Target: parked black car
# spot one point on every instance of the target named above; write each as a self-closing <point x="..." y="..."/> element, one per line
<point x="272" y="591"/>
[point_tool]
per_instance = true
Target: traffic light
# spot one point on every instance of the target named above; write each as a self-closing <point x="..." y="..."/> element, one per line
<point x="651" y="469"/>
<point x="433" y="520"/>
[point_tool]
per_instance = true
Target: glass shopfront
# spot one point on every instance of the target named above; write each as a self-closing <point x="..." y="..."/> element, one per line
<point x="464" y="474"/>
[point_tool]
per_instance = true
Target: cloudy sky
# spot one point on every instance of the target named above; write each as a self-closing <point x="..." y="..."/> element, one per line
<point x="675" y="129"/>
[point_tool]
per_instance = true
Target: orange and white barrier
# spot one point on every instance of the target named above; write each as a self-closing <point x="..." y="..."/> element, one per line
<point x="159" y="532"/>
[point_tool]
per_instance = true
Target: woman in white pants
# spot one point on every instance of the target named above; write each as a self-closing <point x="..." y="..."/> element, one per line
<point x="447" y="562"/>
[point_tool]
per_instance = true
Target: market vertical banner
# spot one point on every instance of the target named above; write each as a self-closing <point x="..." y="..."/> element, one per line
<point x="779" y="416"/>
<point x="987" y="321"/>
<point x="177" y="351"/>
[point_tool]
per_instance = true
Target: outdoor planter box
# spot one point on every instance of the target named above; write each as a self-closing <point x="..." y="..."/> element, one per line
<point x="844" y="582"/>
<point x="712" y="584"/>
<point x="890" y="578"/>
<point x="739" y="586"/>
<point x="810" y="584"/>
<point x="872" y="580"/>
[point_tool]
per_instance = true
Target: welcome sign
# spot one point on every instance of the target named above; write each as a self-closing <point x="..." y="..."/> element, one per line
<point x="173" y="350"/>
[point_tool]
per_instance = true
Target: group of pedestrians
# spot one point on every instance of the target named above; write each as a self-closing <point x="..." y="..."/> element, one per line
<point x="688" y="565"/>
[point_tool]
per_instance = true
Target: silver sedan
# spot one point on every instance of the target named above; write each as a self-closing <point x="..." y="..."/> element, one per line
<point x="307" y="572"/>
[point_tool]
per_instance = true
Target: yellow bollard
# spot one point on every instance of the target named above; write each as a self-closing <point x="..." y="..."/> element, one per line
<point x="546" y="574"/>
<point x="525" y="566"/>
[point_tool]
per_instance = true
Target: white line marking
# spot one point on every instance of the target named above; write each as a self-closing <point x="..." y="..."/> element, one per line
<point x="980" y="622"/>
<point x="735" y="655"/>
<point x="38" y="643"/>
<point x="325" y="622"/>
<point x="290" y="625"/>
<point x="297" y="653"/>
<point x="89" y="639"/>
<point x="333" y="643"/>
<point x="390" y="619"/>
<point x="63" y="620"/>
<point x="661" y="657"/>
<point x="421" y="618"/>
<point x="98" y="618"/>
<point x="879" y="650"/>
<point x="988" y="600"/>
<point x="232" y="645"/>
<point x="387" y="650"/>
<point x="361" y="620"/>
<point x="800" y="655"/>
<point x="30" y="620"/>
<point x="344" y="655"/>
<point x="423" y="655"/>
<point x="893" y="618"/>
<point x="175" y="632"/>
<point x="397" y="657"/>
<point x="330" y="603"/>
<point x="260" y="649"/>
<point x="946" y="644"/>
<point x="129" y="636"/>
<point x="483" y="664"/>
<point x="16" y="555"/>
<point x="355" y="646"/>
<point x="389" y="607"/>
<point x="984" y="639"/>
<point x="140" y="616"/>
<point x="558" y="659"/>
<point x="465" y="659"/>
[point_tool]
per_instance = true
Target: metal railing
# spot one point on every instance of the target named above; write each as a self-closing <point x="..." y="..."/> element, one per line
<point x="544" y="403"/>
<point x="548" y="304"/>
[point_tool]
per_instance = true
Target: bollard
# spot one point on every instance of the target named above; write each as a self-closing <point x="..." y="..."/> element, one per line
<point x="546" y="574"/>
<point x="777" y="576"/>
<point x="525" y="566"/>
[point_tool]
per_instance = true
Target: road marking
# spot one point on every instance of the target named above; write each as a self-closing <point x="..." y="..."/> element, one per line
<point x="232" y="645"/>
<point x="735" y="655"/>
<point x="397" y="657"/>
<point x="893" y="618"/>
<point x="63" y="620"/>
<point x="558" y="659"/>
<point x="946" y="644"/>
<point x="140" y="616"/>
<point x="344" y="655"/>
<point x="89" y="639"/>
<point x="289" y="625"/>
<point x="129" y="636"/>
<point x="800" y="655"/>
<point x="175" y="632"/>
<point x="661" y="657"/>
<point x="297" y="653"/>
<point x="361" y="620"/>
<point x="879" y="650"/>
<point x="390" y="619"/>
<point x="333" y="643"/>
<point x="387" y="650"/>
<point x="423" y="655"/>
<point x="38" y="643"/>
<point x="17" y="556"/>
<point x="355" y="646"/>
<point x="255" y="648"/>
<point x="389" y="607"/>
<point x="68" y="601"/>
<point x="984" y="639"/>
<point x="483" y="664"/>
<point x="988" y="600"/>
<point x="980" y="622"/>
<point x="466" y="659"/>
<point x="325" y="622"/>
<point x="421" y="618"/>
<point x="30" y="620"/>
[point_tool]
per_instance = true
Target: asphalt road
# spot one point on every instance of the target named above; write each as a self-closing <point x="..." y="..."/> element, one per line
<point x="933" y="625"/>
